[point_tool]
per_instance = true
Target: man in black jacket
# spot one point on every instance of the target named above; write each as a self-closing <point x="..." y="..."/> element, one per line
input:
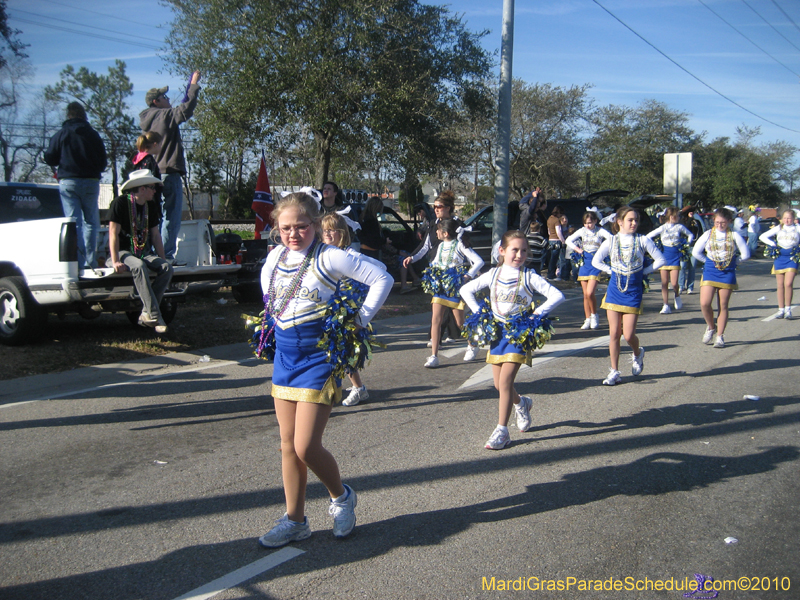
<point x="78" y="153"/>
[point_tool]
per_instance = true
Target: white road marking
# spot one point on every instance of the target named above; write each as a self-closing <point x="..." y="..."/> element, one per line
<point x="548" y="353"/>
<point x="775" y="316"/>
<point x="240" y="575"/>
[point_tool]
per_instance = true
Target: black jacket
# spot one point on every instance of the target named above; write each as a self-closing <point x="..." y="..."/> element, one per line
<point x="77" y="151"/>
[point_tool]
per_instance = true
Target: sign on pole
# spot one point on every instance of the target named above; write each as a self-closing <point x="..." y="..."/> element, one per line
<point x="678" y="173"/>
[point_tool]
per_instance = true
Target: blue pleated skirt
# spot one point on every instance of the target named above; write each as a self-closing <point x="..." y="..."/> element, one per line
<point x="628" y="301"/>
<point x="587" y="271"/>
<point x="302" y="372"/>
<point x="672" y="256"/>
<point x="784" y="262"/>
<point x="724" y="279"/>
<point x="503" y="351"/>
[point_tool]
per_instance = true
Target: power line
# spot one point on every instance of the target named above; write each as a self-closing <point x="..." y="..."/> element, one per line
<point x="748" y="39"/>
<point x="84" y="25"/>
<point x="86" y="33"/>
<point x="83" y="9"/>
<point x="685" y="70"/>
<point x="785" y="15"/>
<point x="770" y="24"/>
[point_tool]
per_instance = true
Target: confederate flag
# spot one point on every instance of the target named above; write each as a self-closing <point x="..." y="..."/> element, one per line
<point x="262" y="202"/>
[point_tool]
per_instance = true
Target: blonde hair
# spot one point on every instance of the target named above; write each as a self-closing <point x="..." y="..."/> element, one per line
<point x="337" y="222"/>
<point x="148" y="140"/>
<point x="671" y="211"/>
<point x="512" y="234"/>
<point x="305" y="205"/>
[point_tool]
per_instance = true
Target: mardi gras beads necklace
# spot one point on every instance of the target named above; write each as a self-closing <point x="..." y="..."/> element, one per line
<point x="291" y="291"/>
<point x="139" y="229"/>
<point x="451" y="253"/>
<point x="726" y="247"/>
<point x="635" y="245"/>
<point x="513" y="298"/>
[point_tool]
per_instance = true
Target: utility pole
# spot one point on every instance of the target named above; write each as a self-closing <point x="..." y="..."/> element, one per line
<point x="504" y="125"/>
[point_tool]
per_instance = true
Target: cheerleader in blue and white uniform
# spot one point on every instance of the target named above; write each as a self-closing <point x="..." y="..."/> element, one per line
<point x="453" y="265"/>
<point x="591" y="236"/>
<point x="298" y="280"/>
<point x="623" y="299"/>
<point x="786" y="239"/>
<point x="511" y="290"/>
<point x="673" y="236"/>
<point x="717" y="248"/>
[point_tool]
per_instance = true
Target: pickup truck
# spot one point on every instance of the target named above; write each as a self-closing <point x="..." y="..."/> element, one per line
<point x="39" y="272"/>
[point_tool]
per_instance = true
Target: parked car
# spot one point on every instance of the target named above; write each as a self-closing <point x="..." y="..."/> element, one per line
<point x="768" y="223"/>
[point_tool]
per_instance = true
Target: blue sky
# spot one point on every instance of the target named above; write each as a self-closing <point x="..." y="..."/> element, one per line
<point x="561" y="42"/>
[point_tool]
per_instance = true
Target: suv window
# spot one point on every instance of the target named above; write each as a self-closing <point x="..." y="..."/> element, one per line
<point x="29" y="202"/>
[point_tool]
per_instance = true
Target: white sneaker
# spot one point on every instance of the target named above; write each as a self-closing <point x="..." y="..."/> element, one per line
<point x="448" y="340"/>
<point x="284" y="532"/>
<point x="787" y="314"/>
<point x="471" y="353"/>
<point x="678" y="303"/>
<point x="344" y="515"/>
<point x="523" y="410"/>
<point x="780" y="314"/>
<point x="499" y="439"/>
<point x="708" y="335"/>
<point x="637" y="362"/>
<point x="690" y="291"/>
<point x="665" y="310"/>
<point x="594" y="322"/>
<point x="429" y="344"/>
<point x="613" y="378"/>
<point x="356" y="395"/>
<point x="720" y="342"/>
<point x="161" y="329"/>
<point x="587" y="323"/>
<point x="432" y="362"/>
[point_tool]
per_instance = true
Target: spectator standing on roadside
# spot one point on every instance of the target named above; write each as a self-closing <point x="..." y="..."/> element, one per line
<point x="686" y="276"/>
<point x="78" y="153"/>
<point x="555" y="239"/>
<point x="148" y="145"/>
<point x="532" y="209"/>
<point x="753" y="230"/>
<point x="162" y="117"/>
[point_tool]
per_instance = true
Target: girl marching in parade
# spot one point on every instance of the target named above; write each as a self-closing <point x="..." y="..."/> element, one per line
<point x="453" y="265"/>
<point x="717" y="248"/>
<point x="300" y="280"/>
<point x="674" y="237"/>
<point x="591" y="237"/>
<point x="623" y="299"/>
<point x="783" y="242"/>
<point x="508" y="323"/>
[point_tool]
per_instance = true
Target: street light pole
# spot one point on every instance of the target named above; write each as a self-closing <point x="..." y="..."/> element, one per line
<point x="504" y="124"/>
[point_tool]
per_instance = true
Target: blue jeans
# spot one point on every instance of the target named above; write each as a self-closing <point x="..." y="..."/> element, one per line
<point x="172" y="210"/>
<point x="686" y="276"/>
<point x="79" y="200"/>
<point x="553" y="253"/>
<point x="752" y="241"/>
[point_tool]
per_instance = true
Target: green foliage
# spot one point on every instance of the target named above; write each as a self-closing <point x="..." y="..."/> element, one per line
<point x="103" y="97"/>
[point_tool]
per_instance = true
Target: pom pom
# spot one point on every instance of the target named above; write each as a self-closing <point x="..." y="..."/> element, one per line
<point x="263" y="339"/>
<point x="577" y="259"/>
<point x="480" y="327"/>
<point x="348" y="345"/>
<point x="443" y="282"/>
<point x="529" y="331"/>
<point x="686" y="252"/>
<point x="659" y="244"/>
<point x="771" y="252"/>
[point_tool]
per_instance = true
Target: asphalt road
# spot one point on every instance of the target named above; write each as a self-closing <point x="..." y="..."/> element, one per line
<point x="154" y="479"/>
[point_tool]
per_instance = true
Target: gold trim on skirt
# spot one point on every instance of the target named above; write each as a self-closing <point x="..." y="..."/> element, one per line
<point x="774" y="272"/>
<point x="457" y="305"/>
<point x="717" y="284"/>
<point x="620" y="308"/>
<point x="329" y="395"/>
<point x="670" y="268"/>
<point x="511" y="357"/>
<point x="588" y="277"/>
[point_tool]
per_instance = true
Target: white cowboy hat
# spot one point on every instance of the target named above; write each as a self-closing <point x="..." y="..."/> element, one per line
<point x="139" y="178"/>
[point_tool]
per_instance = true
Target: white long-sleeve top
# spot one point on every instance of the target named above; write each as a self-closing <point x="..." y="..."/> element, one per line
<point x="671" y="234"/>
<point x="328" y="266"/>
<point x="359" y="256"/>
<point x="591" y="239"/>
<point x="784" y="237"/>
<point x="631" y="261"/>
<point x="512" y="291"/>
<point x="703" y="250"/>
<point x="452" y="253"/>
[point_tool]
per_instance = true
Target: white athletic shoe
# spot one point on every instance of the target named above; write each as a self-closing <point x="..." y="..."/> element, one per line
<point x="637" y="362"/>
<point x="678" y="303"/>
<point x="594" y="322"/>
<point x="587" y="323"/>
<point x="781" y="313"/>
<point x="690" y="291"/>
<point x="613" y="378"/>
<point x="665" y="310"/>
<point x="284" y="532"/>
<point x="344" y="515"/>
<point x="471" y="353"/>
<point x="720" y="342"/>
<point x="429" y="344"/>
<point x="523" y="410"/>
<point x="787" y="314"/>
<point x="499" y="439"/>
<point x="708" y="335"/>
<point x="356" y="395"/>
<point x="432" y="362"/>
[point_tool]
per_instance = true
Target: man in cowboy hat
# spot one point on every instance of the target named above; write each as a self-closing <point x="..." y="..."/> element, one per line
<point x="162" y="117"/>
<point x="133" y="233"/>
